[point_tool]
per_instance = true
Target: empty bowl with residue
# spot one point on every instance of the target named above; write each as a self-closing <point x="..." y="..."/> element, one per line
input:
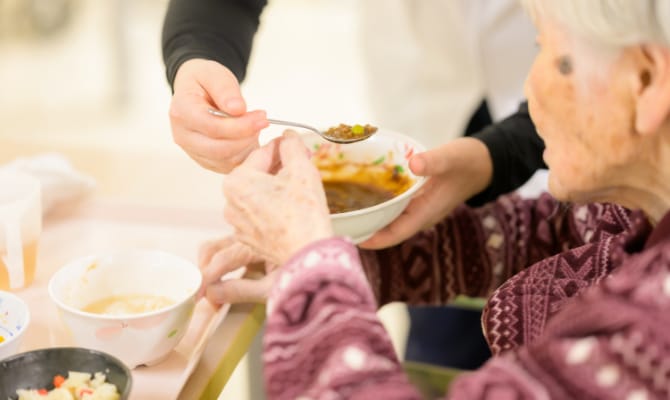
<point x="135" y="305"/>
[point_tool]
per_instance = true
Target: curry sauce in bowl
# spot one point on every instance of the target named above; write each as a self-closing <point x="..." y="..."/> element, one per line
<point x="368" y="183"/>
<point x="354" y="186"/>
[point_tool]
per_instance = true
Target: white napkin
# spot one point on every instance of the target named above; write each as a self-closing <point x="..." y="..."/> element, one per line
<point x="61" y="183"/>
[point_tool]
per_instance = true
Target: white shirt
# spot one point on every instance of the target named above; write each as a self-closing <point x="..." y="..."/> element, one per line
<point x="429" y="63"/>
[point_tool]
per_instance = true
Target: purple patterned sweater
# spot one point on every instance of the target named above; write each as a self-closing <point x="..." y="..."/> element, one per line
<point x="579" y="306"/>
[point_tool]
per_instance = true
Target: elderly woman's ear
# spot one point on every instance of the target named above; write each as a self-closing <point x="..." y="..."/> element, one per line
<point x="651" y="77"/>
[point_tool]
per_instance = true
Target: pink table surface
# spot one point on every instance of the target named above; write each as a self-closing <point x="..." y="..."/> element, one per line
<point x="96" y="227"/>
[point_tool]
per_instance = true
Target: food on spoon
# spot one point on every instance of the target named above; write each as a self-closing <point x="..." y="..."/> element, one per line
<point x="344" y="131"/>
<point x="77" y="386"/>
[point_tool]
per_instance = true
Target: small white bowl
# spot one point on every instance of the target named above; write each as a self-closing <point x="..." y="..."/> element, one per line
<point x="385" y="147"/>
<point x="14" y="320"/>
<point x="136" y="339"/>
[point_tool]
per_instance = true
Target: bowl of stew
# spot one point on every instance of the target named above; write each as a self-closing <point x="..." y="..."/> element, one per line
<point x="368" y="184"/>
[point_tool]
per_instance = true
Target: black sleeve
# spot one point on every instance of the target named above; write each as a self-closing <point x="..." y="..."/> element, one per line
<point x="516" y="152"/>
<point x="219" y="30"/>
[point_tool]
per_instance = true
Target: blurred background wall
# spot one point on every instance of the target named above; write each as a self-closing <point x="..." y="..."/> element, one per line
<point x="74" y="67"/>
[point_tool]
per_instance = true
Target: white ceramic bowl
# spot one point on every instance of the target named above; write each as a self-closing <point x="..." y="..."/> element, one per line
<point x="383" y="147"/>
<point x="136" y="339"/>
<point x="14" y="320"/>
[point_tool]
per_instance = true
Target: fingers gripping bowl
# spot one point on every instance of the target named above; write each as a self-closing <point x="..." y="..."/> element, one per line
<point x="368" y="184"/>
<point x="135" y="305"/>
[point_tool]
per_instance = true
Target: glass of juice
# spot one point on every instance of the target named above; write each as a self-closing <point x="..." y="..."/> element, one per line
<point x="20" y="228"/>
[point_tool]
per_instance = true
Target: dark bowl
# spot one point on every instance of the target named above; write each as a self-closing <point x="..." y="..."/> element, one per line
<point x="36" y="369"/>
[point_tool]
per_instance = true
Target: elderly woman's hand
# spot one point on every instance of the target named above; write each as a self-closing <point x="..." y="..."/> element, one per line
<point x="219" y="257"/>
<point x="276" y="215"/>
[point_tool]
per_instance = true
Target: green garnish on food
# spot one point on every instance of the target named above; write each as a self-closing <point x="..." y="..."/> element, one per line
<point x="379" y="160"/>
<point x="358" y="129"/>
<point x="399" y="169"/>
<point x="344" y="131"/>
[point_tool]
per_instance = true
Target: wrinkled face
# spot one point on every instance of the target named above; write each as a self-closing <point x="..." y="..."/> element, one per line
<point x="582" y="108"/>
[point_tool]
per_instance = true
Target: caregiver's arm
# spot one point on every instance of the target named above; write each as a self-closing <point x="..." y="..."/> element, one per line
<point x="217" y="30"/>
<point x="516" y="153"/>
<point x="206" y="48"/>
<point x="474" y="169"/>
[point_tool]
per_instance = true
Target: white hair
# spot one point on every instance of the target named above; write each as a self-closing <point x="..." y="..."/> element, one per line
<point x="612" y="24"/>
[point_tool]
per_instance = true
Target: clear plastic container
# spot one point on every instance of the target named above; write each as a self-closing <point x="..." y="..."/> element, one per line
<point x="20" y="228"/>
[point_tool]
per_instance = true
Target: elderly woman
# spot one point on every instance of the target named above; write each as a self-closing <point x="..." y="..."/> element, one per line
<point x="579" y="294"/>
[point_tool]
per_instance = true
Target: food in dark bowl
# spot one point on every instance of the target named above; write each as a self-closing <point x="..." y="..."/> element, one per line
<point x="44" y="369"/>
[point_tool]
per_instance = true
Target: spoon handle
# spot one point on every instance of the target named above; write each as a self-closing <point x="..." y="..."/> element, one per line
<point x="224" y="114"/>
<point x="294" y="124"/>
<point x="218" y="113"/>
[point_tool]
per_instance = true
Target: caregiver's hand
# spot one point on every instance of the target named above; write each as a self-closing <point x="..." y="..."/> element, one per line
<point x="456" y="171"/>
<point x="277" y="215"/>
<point x="216" y="143"/>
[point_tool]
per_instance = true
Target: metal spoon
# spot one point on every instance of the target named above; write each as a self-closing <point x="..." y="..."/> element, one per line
<point x="325" y="135"/>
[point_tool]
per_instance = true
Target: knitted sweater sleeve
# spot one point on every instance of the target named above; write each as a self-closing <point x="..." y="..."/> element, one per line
<point x="610" y="342"/>
<point x="324" y="339"/>
<point x="474" y="250"/>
